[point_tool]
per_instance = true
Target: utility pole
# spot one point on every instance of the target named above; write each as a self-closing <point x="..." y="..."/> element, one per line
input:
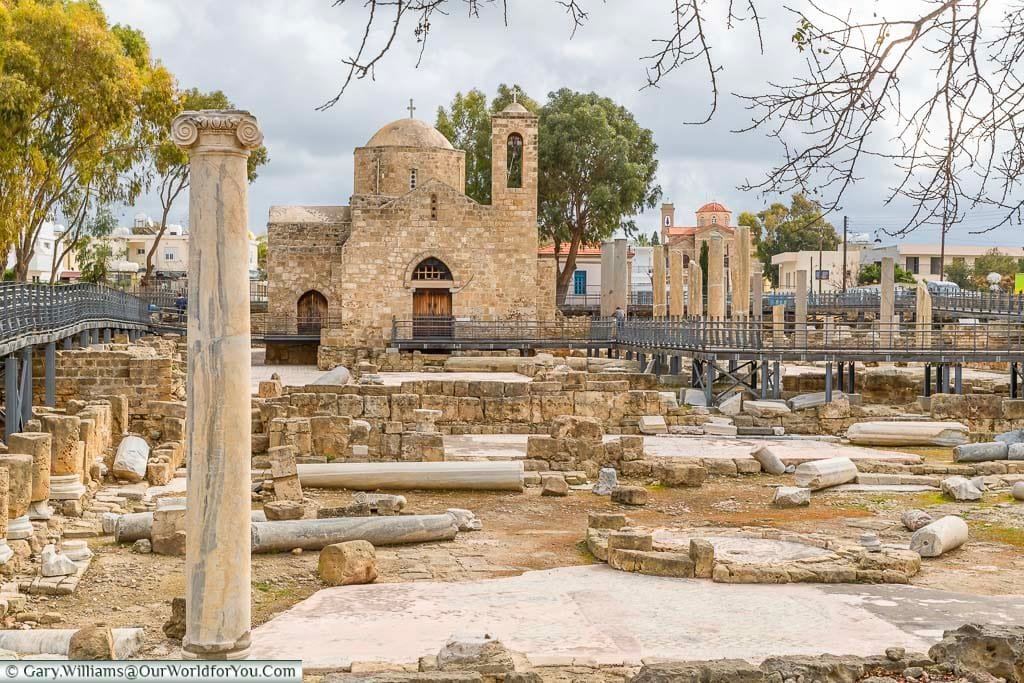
<point x="846" y="225"/>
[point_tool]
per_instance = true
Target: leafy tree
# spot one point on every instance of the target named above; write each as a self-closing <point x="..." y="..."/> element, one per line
<point x="871" y="274"/>
<point x="170" y="162"/>
<point x="79" y="232"/>
<point x="994" y="261"/>
<point x="642" y="240"/>
<point x="958" y="272"/>
<point x="262" y="252"/>
<point x="597" y="168"/>
<point x="467" y="125"/>
<point x="797" y="227"/>
<point x="82" y="105"/>
<point x="94" y="259"/>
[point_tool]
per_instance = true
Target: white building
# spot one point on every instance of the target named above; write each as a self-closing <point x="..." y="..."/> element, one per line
<point x="922" y="260"/>
<point x="40" y="265"/>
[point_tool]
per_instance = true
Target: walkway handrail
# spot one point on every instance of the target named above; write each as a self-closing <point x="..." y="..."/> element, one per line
<point x="30" y="310"/>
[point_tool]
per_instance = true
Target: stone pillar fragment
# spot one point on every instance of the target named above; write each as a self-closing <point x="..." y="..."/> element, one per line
<point x="716" y="277"/>
<point x="757" y="290"/>
<point x="217" y="561"/>
<point x="695" y="291"/>
<point x="800" y="336"/>
<point x="675" y="280"/>
<point x="658" y="267"/>
<point x="887" y="300"/>
<point x="620" y="276"/>
<point x="607" y="280"/>
<point x="67" y="455"/>
<point x="5" y="482"/>
<point x="924" y="317"/>
<point x="39" y="446"/>
<point x="739" y="270"/>
<point x="19" y="468"/>
<point x="779" y="323"/>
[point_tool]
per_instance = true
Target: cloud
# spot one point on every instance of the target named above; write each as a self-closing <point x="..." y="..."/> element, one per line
<point x="281" y="60"/>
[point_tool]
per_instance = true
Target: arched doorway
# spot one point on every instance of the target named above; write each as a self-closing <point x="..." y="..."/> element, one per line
<point x="432" y="299"/>
<point x="311" y="312"/>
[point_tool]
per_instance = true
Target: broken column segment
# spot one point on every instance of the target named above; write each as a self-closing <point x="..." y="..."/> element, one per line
<point x="820" y="474"/>
<point x="19" y="494"/>
<point x="39" y="446"/>
<point x="66" y="456"/>
<point x="940" y="536"/>
<point x="131" y="459"/>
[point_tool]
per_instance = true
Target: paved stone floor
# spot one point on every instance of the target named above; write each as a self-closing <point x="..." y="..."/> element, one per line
<point x="595" y="615"/>
<point x="513" y="446"/>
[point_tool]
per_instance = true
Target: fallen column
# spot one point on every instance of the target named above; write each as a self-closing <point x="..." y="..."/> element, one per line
<point x="55" y="641"/>
<point x="908" y="433"/>
<point x="939" y="537"/>
<point x="820" y="474"/>
<point x="980" y="452"/>
<point x="315" y="534"/>
<point x="466" y="476"/>
<point x="39" y="445"/>
<point x="133" y="526"/>
<point x="131" y="459"/>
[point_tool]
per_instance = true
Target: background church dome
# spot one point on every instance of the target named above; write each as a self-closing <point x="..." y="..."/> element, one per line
<point x="409" y="133"/>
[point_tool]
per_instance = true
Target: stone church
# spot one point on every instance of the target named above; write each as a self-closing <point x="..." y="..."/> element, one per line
<point x="411" y="246"/>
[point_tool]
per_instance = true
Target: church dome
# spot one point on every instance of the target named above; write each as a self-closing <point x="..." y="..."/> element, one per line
<point x="409" y="133"/>
<point x="712" y="207"/>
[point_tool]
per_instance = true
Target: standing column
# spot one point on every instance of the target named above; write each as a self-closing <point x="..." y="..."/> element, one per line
<point x="675" y="283"/>
<point x="757" y="290"/>
<point x="716" y="277"/>
<point x="739" y="269"/>
<point x="658" y="265"/>
<point x="800" y="330"/>
<point x="779" y="324"/>
<point x="26" y="385"/>
<point x="620" y="275"/>
<point x="924" y="317"/>
<point x="887" y="301"/>
<point x="217" y="542"/>
<point x="607" y="278"/>
<point x="695" y="291"/>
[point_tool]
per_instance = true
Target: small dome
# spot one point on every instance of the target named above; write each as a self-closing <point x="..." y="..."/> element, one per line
<point x="409" y="133"/>
<point x="515" y="108"/>
<point x="712" y="207"/>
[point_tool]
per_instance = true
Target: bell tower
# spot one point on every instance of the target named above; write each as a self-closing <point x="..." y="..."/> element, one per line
<point x="514" y="160"/>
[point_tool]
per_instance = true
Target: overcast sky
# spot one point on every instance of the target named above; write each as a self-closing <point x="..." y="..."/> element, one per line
<point x="280" y="60"/>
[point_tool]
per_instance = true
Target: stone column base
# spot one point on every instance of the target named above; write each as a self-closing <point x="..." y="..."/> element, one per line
<point x="5" y="551"/>
<point x="242" y="653"/>
<point x="66" y="487"/>
<point x="19" y="528"/>
<point x="40" y="510"/>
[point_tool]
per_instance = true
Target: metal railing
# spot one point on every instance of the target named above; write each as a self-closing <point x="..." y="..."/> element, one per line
<point x="165" y="293"/>
<point x="37" y="309"/>
<point x="765" y="336"/>
<point x="455" y="330"/>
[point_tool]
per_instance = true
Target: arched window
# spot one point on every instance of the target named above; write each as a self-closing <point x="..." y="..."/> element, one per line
<point x="514" y="160"/>
<point x="686" y="260"/>
<point x="714" y="220"/>
<point x="412" y="179"/>
<point x="668" y="223"/>
<point x="431" y="269"/>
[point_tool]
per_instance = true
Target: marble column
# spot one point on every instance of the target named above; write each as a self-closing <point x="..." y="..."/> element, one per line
<point x="800" y="336"/>
<point x="757" y="292"/>
<point x="716" y="277"/>
<point x="19" y="468"/>
<point x="695" y="291"/>
<point x="218" y="542"/>
<point x="924" y="316"/>
<point x="620" y="276"/>
<point x="675" y="283"/>
<point x="887" y="300"/>
<point x="607" y="280"/>
<point x="38" y="445"/>
<point x="739" y="269"/>
<point x="67" y="456"/>
<point x="658" y="279"/>
<point x="779" y="323"/>
<point x="5" y="550"/>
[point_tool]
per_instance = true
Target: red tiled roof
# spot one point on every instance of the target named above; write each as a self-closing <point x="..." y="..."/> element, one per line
<point x="712" y="207"/>
<point x="683" y="231"/>
<point x="585" y="249"/>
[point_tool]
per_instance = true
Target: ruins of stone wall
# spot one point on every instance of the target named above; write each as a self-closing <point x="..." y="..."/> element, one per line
<point x="330" y="356"/>
<point x="152" y="369"/>
<point x="617" y="400"/>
